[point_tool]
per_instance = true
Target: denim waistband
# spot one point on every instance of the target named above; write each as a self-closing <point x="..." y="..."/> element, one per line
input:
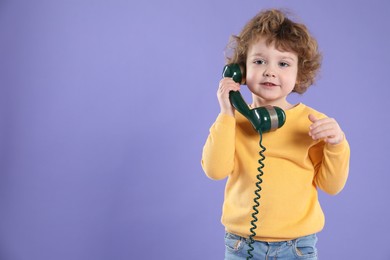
<point x="276" y="243"/>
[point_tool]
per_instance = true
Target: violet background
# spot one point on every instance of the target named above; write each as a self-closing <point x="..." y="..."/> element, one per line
<point x="105" y="107"/>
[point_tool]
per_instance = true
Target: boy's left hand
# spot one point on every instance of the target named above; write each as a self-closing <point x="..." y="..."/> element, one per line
<point x="327" y="129"/>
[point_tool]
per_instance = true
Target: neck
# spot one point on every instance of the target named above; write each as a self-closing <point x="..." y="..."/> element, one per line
<point x="282" y="104"/>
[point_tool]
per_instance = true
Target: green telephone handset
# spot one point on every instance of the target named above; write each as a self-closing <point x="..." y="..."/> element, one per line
<point x="265" y="119"/>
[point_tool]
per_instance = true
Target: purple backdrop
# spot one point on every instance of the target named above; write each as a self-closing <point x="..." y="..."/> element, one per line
<point x="105" y="107"/>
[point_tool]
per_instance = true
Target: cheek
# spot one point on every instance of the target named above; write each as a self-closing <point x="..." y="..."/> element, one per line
<point x="289" y="81"/>
<point x="250" y="75"/>
<point x="293" y="77"/>
<point x="250" y="82"/>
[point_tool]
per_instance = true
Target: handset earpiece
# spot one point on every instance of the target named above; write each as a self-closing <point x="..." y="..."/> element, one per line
<point x="265" y="119"/>
<point x="234" y="71"/>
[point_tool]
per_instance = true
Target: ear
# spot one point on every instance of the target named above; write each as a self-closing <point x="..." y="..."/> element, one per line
<point x="297" y="86"/>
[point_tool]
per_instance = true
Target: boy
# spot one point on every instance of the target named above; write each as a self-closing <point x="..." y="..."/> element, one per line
<point x="310" y="151"/>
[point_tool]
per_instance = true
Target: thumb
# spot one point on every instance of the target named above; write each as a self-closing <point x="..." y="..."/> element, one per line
<point x="312" y="118"/>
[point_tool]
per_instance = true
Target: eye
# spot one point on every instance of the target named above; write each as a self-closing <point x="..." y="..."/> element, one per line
<point x="259" y="62"/>
<point x="283" y="64"/>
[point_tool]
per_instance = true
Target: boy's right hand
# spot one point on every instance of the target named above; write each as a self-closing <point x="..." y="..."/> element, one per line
<point x="225" y="86"/>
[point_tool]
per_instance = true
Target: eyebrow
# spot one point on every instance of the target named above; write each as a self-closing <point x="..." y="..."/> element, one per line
<point x="288" y="58"/>
<point x="282" y="57"/>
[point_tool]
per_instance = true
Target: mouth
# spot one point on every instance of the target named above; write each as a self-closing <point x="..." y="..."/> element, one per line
<point x="268" y="84"/>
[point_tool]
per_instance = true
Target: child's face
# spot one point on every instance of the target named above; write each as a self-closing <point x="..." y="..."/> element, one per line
<point x="270" y="74"/>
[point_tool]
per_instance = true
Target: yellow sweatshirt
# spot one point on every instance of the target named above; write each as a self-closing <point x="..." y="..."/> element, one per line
<point x="295" y="166"/>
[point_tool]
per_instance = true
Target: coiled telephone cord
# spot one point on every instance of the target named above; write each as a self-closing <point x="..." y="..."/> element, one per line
<point x="257" y="198"/>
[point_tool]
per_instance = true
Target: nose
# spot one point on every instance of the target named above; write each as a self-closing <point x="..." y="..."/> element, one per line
<point x="269" y="73"/>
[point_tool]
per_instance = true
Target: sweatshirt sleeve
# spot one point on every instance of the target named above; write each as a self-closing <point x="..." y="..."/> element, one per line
<point x="332" y="167"/>
<point x="218" y="151"/>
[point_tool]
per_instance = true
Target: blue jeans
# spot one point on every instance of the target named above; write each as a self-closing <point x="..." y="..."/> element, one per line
<point x="300" y="248"/>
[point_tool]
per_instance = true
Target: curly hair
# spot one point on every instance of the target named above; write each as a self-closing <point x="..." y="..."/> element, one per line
<point x="287" y="35"/>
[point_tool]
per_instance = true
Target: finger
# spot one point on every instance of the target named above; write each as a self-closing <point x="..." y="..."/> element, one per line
<point x="336" y="139"/>
<point x="330" y="133"/>
<point x="224" y="81"/>
<point x="312" y="118"/>
<point x="319" y="123"/>
<point x="226" y="91"/>
<point x="322" y="125"/>
<point x="332" y="140"/>
<point x="228" y="85"/>
<point x="323" y="134"/>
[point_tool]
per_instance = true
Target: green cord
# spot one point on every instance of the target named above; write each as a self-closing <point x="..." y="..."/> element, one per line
<point x="257" y="198"/>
